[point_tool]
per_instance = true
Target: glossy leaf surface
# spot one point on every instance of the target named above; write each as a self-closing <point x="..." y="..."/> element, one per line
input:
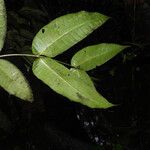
<point x="90" y="57"/>
<point x="65" y="31"/>
<point x="62" y="81"/>
<point x="2" y="23"/>
<point x="13" y="81"/>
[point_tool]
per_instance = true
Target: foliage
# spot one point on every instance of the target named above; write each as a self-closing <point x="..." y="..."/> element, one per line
<point x="11" y="79"/>
<point x="66" y="83"/>
<point x="65" y="31"/>
<point x="90" y="57"/>
<point x="2" y="23"/>
<point x="52" y="40"/>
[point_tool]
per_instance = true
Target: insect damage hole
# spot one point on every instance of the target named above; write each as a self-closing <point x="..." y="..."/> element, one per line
<point x="43" y="30"/>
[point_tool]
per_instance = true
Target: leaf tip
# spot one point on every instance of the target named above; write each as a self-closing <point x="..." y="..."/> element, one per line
<point x="108" y="105"/>
<point x="125" y="46"/>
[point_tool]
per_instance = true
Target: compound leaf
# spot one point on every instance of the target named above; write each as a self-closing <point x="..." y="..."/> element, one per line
<point x="90" y="57"/>
<point x="2" y="23"/>
<point x="65" y="31"/>
<point x="13" y="81"/>
<point x="61" y="80"/>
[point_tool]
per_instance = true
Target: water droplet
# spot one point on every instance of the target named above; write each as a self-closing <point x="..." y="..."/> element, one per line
<point x="92" y="123"/>
<point x="101" y="143"/>
<point x="86" y="123"/>
<point x="78" y="117"/>
<point x="96" y="139"/>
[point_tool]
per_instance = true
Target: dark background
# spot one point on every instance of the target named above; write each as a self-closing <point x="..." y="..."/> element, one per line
<point x="54" y="123"/>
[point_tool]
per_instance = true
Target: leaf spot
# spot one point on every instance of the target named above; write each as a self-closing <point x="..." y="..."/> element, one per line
<point x="79" y="96"/>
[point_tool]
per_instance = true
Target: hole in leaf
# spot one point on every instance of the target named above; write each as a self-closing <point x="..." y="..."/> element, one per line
<point x="43" y="30"/>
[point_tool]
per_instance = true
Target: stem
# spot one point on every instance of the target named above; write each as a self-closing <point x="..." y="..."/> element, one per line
<point x="30" y="55"/>
<point x="26" y="55"/>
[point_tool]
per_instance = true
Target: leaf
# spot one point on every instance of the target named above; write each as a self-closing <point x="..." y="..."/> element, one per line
<point x="65" y="31"/>
<point x="13" y="81"/>
<point x="82" y="75"/>
<point x="90" y="57"/>
<point x="2" y="23"/>
<point x="61" y="80"/>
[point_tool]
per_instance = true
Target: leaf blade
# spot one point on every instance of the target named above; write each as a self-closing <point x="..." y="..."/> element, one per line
<point x="2" y="23"/>
<point x="13" y="81"/>
<point x="82" y="75"/>
<point x="65" y="31"/>
<point x="58" y="78"/>
<point x="90" y="57"/>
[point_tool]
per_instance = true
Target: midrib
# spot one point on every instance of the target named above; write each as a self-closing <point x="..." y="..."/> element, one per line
<point x="90" y="58"/>
<point x="66" y="34"/>
<point x="66" y="81"/>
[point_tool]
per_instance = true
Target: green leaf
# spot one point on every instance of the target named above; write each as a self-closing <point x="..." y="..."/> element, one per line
<point x="13" y="81"/>
<point x="2" y="23"/>
<point x="82" y="75"/>
<point x="65" y="31"/>
<point x="61" y="80"/>
<point x="96" y="55"/>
